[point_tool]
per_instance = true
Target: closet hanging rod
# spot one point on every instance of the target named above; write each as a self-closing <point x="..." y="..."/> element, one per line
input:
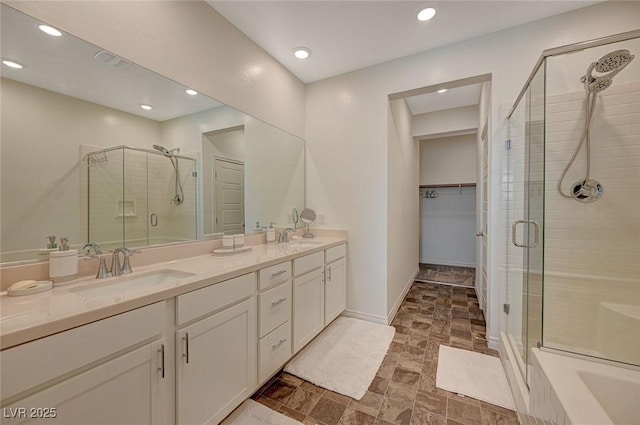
<point x="435" y="186"/>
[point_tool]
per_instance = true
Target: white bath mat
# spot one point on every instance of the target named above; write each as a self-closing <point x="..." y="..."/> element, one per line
<point x="473" y="374"/>
<point x="345" y="357"/>
<point x="253" y="413"/>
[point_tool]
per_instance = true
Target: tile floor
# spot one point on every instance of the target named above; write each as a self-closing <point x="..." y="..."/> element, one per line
<point x="434" y="273"/>
<point x="404" y="391"/>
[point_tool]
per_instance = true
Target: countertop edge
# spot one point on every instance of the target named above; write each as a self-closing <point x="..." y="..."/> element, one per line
<point x="43" y="330"/>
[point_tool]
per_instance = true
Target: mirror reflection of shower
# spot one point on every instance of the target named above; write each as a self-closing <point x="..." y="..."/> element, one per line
<point x="178" y="198"/>
<point x="607" y="67"/>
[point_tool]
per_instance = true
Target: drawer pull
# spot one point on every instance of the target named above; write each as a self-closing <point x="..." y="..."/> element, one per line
<point x="186" y="352"/>
<point x="275" y="346"/>
<point x="276" y="303"/>
<point x="276" y="274"/>
<point x="161" y="367"/>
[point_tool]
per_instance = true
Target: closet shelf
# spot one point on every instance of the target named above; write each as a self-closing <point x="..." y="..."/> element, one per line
<point x="434" y="186"/>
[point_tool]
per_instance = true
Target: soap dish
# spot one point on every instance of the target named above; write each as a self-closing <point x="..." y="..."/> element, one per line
<point x="226" y="251"/>
<point x="37" y="287"/>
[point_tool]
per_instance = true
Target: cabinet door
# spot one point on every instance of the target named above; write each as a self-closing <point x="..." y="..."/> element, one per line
<point x="335" y="290"/>
<point x="216" y="364"/>
<point x="129" y="389"/>
<point x="308" y="308"/>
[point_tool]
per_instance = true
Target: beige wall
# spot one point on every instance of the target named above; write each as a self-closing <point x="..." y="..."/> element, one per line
<point x="347" y="135"/>
<point x="403" y="206"/>
<point x="188" y="42"/>
<point x="448" y="160"/>
<point x="41" y="179"/>
<point x="446" y="121"/>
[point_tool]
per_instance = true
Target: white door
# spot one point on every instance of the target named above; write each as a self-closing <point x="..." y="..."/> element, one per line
<point x="335" y="290"/>
<point x="308" y="308"/>
<point x="129" y="389"/>
<point x="213" y="378"/>
<point x="228" y="196"/>
<point x="481" y="260"/>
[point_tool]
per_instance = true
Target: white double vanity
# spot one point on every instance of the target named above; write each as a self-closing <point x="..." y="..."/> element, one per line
<point x="181" y="342"/>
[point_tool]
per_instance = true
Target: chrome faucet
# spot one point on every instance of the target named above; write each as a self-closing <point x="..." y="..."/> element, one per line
<point x="103" y="271"/>
<point x="116" y="268"/>
<point x="284" y="236"/>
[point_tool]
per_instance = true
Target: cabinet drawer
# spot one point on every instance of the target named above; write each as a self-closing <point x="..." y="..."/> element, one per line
<point x="273" y="351"/>
<point x="34" y="363"/>
<point x="197" y="303"/>
<point x="332" y="254"/>
<point x="274" y="275"/>
<point x="274" y="308"/>
<point x="307" y="263"/>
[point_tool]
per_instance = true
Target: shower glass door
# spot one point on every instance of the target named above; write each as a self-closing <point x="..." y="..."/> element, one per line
<point x="523" y="192"/>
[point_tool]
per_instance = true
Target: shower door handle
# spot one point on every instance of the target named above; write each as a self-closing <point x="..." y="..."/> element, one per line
<point x="154" y="220"/>
<point x="536" y="239"/>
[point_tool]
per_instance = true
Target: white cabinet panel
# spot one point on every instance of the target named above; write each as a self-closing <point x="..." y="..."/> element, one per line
<point x="34" y="363"/>
<point x="204" y="301"/>
<point x="307" y="263"/>
<point x="308" y="308"/>
<point x="274" y="275"/>
<point x="274" y="308"/>
<point x="273" y="351"/>
<point x="335" y="290"/>
<point x="334" y="253"/>
<point x="125" y="390"/>
<point x="216" y="364"/>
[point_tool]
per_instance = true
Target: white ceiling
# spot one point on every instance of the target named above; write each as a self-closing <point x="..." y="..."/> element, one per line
<point x="66" y="65"/>
<point x="348" y="35"/>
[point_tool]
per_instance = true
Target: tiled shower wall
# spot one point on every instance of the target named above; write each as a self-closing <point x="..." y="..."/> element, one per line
<point x="149" y="190"/>
<point x="592" y="250"/>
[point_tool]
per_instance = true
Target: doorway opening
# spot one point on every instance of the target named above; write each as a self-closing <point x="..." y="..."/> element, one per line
<point x="450" y="122"/>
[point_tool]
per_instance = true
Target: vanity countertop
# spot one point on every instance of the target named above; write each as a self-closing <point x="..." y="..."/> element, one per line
<point x="26" y="318"/>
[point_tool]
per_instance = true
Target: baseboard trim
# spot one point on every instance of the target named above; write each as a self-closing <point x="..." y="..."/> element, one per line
<point x="448" y="263"/>
<point x="493" y="342"/>
<point x="365" y="316"/>
<point x="398" y="303"/>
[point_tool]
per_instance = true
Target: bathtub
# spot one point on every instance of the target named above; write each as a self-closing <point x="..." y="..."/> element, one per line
<point x="571" y="391"/>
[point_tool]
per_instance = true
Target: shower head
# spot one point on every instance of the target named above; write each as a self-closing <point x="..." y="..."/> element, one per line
<point x="165" y="150"/>
<point x="609" y="65"/>
<point x="614" y="61"/>
<point x="600" y="83"/>
<point x="161" y="149"/>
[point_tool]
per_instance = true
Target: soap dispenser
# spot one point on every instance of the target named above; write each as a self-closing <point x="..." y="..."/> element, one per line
<point x="63" y="264"/>
<point x="271" y="234"/>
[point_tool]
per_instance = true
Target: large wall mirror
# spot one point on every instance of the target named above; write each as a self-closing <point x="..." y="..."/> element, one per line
<point x="81" y="158"/>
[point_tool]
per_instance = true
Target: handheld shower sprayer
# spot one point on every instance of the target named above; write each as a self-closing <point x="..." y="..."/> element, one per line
<point x="179" y="192"/>
<point x="589" y="190"/>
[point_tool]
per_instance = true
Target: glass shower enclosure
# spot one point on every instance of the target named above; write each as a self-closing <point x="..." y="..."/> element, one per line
<point x="139" y="197"/>
<point x="571" y="205"/>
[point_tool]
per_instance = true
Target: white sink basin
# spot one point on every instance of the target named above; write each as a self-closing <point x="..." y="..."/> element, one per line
<point x="124" y="286"/>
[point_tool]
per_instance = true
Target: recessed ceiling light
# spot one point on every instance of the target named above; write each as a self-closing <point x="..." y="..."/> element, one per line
<point x="191" y="92"/>
<point x="12" y="64"/>
<point x="426" y="14"/>
<point x="301" y="52"/>
<point x="50" y="30"/>
<point x="146" y="107"/>
<point x="442" y="90"/>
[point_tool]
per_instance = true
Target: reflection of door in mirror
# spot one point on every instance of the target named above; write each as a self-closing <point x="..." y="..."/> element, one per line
<point x="228" y="177"/>
<point x="223" y="153"/>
